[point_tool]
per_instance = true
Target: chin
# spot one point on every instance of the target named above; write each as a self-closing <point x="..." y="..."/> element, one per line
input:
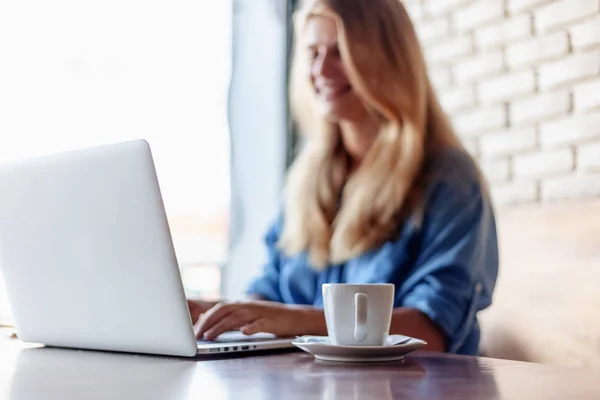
<point x="334" y="114"/>
<point x="329" y="117"/>
<point x="344" y="109"/>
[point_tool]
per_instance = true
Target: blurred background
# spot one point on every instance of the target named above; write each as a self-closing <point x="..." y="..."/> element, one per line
<point x="205" y="82"/>
<point x="520" y="79"/>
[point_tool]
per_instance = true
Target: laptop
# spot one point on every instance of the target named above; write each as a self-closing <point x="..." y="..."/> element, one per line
<point x="88" y="260"/>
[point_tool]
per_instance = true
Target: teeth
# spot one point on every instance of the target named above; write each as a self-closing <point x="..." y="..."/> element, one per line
<point x="326" y="86"/>
<point x="330" y="89"/>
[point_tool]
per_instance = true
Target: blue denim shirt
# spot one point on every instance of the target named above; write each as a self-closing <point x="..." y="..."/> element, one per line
<point x="445" y="267"/>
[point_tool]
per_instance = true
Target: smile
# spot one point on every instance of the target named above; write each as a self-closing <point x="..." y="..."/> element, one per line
<point x="329" y="92"/>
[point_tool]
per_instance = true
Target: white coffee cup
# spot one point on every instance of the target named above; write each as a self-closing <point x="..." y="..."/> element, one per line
<point x="358" y="314"/>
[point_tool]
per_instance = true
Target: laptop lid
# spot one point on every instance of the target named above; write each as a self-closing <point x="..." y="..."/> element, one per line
<point x="87" y="256"/>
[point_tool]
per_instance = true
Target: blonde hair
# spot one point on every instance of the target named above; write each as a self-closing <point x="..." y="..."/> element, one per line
<point x="330" y="215"/>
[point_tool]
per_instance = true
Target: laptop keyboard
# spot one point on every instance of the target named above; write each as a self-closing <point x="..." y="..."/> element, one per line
<point x="244" y="340"/>
<point x="232" y="337"/>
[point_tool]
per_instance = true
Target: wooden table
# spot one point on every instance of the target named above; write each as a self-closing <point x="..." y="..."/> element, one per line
<point x="32" y="373"/>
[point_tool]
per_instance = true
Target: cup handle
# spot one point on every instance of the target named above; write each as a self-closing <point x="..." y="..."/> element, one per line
<point x="360" y="317"/>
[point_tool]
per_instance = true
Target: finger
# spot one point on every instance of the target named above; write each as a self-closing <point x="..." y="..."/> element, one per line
<point x="214" y="315"/>
<point x="197" y="329"/>
<point x="231" y="322"/>
<point x="256" y="326"/>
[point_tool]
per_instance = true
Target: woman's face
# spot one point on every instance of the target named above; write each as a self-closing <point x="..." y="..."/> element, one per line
<point x="335" y="97"/>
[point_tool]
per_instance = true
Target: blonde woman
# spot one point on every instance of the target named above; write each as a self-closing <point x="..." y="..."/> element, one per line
<point x="381" y="192"/>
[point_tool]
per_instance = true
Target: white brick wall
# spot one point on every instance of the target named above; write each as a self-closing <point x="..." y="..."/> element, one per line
<point x="544" y="163"/>
<point x="570" y="130"/>
<point x="562" y="12"/>
<point x="517" y="192"/>
<point x="537" y="49"/>
<point x="477" y="14"/>
<point x="588" y="156"/>
<point x="471" y="69"/>
<point x="415" y="9"/>
<point x="578" y="66"/>
<point x="571" y="187"/>
<point x="503" y="32"/>
<point x="541" y="107"/>
<point x="431" y="31"/>
<point x="520" y="79"/>
<point x="516" y="6"/>
<point x="586" y="33"/>
<point x="497" y="170"/>
<point x="440" y="77"/>
<point x="442" y="52"/>
<point x="436" y="8"/>
<point x="506" y="86"/>
<point x="506" y="143"/>
<point x="472" y="146"/>
<point x="587" y="95"/>
<point x="457" y="99"/>
<point x="480" y="121"/>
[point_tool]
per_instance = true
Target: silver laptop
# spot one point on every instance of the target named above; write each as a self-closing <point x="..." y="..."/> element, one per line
<point x="87" y="256"/>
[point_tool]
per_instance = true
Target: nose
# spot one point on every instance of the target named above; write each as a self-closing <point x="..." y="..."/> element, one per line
<point x="323" y="66"/>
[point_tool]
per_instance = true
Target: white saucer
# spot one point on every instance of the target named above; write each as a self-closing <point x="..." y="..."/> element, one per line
<point x="322" y="349"/>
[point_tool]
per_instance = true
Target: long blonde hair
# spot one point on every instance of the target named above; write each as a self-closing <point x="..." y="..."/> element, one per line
<point x="329" y="214"/>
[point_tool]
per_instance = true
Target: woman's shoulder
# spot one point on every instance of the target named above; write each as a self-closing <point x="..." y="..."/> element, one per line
<point x="453" y="166"/>
<point x="454" y="181"/>
<point x="454" y="170"/>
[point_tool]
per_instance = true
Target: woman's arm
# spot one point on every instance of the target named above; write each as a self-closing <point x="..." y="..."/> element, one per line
<point x="198" y="307"/>
<point x="406" y="321"/>
<point x="294" y="320"/>
<point x="261" y="316"/>
<point x="412" y="322"/>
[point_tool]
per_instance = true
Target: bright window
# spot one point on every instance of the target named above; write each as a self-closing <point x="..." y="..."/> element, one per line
<point x="78" y="73"/>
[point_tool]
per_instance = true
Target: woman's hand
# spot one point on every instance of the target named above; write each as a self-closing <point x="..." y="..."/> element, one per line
<point x="199" y="307"/>
<point x="252" y="317"/>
